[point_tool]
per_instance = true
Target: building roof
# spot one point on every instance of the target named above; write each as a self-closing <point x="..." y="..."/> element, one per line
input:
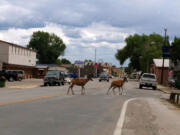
<point x="159" y="62"/>
<point x="17" y="45"/>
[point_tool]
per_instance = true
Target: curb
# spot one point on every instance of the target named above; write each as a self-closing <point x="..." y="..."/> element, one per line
<point x="165" y="91"/>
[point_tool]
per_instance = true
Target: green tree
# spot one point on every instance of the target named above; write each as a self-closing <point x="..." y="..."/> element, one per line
<point x="175" y="55"/>
<point x="48" y="46"/>
<point x="141" y="49"/>
<point x="63" y="61"/>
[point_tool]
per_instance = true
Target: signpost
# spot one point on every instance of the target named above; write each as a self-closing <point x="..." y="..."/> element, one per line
<point x="79" y="64"/>
<point x="165" y="54"/>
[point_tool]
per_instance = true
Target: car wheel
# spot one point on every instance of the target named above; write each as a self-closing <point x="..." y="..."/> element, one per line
<point x="154" y="88"/>
<point x="20" y="79"/>
<point x="11" y="79"/>
<point x="140" y="86"/>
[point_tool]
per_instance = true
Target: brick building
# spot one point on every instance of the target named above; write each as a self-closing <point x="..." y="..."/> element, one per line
<point x="156" y="68"/>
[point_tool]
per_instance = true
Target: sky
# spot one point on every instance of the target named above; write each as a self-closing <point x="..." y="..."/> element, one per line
<point x="86" y="25"/>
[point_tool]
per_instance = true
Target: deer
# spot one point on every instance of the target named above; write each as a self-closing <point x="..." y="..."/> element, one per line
<point x="117" y="84"/>
<point x="79" y="82"/>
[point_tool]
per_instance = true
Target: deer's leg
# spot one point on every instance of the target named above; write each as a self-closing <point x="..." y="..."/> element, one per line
<point x="122" y="90"/>
<point x="119" y="91"/>
<point x="82" y="90"/>
<point x="114" y="90"/>
<point x="69" y="89"/>
<point x="72" y="90"/>
<point x="109" y="90"/>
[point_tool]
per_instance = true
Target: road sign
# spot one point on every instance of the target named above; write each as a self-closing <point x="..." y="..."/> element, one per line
<point x="166" y="51"/>
<point x="79" y="64"/>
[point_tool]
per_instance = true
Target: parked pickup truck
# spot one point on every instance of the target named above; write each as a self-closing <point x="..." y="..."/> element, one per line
<point x="11" y="75"/>
<point x="54" y="78"/>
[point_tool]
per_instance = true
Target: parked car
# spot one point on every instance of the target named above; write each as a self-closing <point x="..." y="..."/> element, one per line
<point x="148" y="80"/>
<point x="54" y="78"/>
<point x="104" y="77"/>
<point x="11" y="75"/>
<point x="19" y="74"/>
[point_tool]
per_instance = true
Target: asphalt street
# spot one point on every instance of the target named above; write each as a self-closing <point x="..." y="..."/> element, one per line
<point x="49" y="111"/>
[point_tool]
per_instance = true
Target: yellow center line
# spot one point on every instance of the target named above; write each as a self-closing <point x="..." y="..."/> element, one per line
<point x="30" y="99"/>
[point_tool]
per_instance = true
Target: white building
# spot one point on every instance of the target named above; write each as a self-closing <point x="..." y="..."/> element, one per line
<point x="14" y="54"/>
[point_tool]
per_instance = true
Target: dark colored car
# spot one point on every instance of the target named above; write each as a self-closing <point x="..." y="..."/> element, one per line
<point x="54" y="78"/>
<point x="11" y="75"/>
<point x="19" y="74"/>
<point x="104" y="77"/>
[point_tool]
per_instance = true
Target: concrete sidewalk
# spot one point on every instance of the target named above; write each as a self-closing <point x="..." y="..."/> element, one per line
<point x="166" y="89"/>
<point x="26" y="83"/>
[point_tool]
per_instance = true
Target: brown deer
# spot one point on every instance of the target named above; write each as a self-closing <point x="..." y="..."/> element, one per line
<point x="80" y="82"/>
<point x="117" y="84"/>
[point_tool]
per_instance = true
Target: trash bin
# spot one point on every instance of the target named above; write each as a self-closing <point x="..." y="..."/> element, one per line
<point x="2" y="81"/>
<point x="177" y="84"/>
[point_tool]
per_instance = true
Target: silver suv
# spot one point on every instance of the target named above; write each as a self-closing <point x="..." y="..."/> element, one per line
<point x="148" y="80"/>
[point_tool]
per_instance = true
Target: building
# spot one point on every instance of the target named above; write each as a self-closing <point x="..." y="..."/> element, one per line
<point x="14" y="54"/>
<point x="156" y="68"/>
<point x="42" y="69"/>
<point x="119" y="72"/>
<point x="15" y="57"/>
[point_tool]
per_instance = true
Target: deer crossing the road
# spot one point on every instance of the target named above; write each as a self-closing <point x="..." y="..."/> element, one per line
<point x="117" y="84"/>
<point x="80" y="82"/>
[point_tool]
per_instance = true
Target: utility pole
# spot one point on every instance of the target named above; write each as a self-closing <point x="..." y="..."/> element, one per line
<point x="95" y="63"/>
<point x="162" y="70"/>
<point x="95" y="56"/>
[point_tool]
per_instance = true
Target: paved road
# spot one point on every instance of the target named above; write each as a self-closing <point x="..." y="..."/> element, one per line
<point x="48" y="110"/>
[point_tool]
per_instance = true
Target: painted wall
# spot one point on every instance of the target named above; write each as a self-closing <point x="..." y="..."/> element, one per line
<point x="4" y="52"/>
<point x="21" y="56"/>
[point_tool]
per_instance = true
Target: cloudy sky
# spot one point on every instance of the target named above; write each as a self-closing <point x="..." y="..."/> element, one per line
<point x="88" y="24"/>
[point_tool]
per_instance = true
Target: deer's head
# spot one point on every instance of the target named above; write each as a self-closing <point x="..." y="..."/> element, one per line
<point x="90" y="78"/>
<point x="125" y="79"/>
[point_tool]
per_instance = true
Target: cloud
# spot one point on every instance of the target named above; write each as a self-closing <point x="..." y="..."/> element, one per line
<point x="88" y="23"/>
<point x="81" y="42"/>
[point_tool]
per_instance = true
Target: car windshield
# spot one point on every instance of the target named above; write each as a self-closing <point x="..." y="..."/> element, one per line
<point x="102" y="75"/>
<point x="52" y="73"/>
<point x="149" y="76"/>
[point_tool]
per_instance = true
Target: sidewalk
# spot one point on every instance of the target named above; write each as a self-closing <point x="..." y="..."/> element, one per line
<point x="26" y="83"/>
<point x="166" y="89"/>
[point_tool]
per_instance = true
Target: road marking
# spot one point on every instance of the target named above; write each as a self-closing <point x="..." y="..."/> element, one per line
<point x="22" y="87"/>
<point x="30" y="99"/>
<point x="119" y="125"/>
